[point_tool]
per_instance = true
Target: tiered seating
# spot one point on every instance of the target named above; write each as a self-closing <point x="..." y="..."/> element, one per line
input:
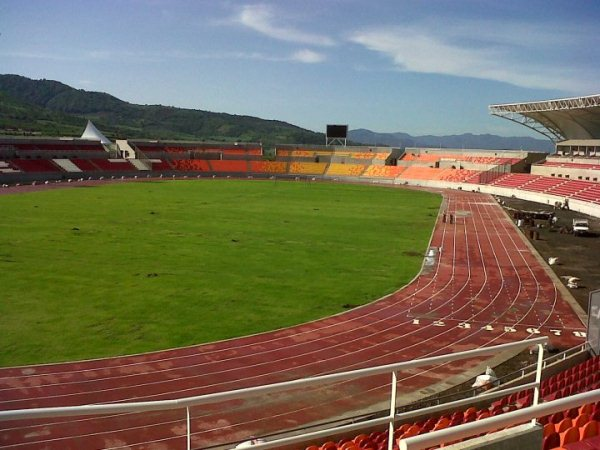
<point x="305" y="153"/>
<point x="59" y="146"/>
<point x="85" y="165"/>
<point x="591" y="194"/>
<point x="366" y="155"/>
<point x="113" y="165"/>
<point x="569" y="188"/>
<point x="543" y="184"/>
<point x="268" y="167"/>
<point x="435" y="157"/>
<point x="572" y="165"/>
<point x="307" y="168"/>
<point x="229" y="166"/>
<point x="492" y="160"/>
<point x="426" y="157"/>
<point x="35" y="165"/>
<point x="376" y="171"/>
<point x="457" y="175"/>
<point x="514" y="180"/>
<point x="421" y="173"/>
<point x="192" y="165"/>
<point x="159" y="164"/>
<point x="560" y="429"/>
<point x="6" y="167"/>
<point x="337" y="169"/>
<point x="430" y="173"/>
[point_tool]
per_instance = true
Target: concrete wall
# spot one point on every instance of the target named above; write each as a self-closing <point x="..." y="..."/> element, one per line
<point x="522" y="437"/>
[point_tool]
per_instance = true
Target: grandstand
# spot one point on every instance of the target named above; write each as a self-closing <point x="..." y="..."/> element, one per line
<point x="485" y="288"/>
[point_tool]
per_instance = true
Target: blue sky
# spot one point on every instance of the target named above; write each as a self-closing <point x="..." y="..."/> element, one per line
<point x="421" y="67"/>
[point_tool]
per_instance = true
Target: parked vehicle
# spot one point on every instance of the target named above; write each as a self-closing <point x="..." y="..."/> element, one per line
<point x="580" y="226"/>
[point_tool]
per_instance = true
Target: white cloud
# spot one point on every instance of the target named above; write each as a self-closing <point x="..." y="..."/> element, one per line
<point x="508" y="53"/>
<point x="308" y="57"/>
<point x="262" y="18"/>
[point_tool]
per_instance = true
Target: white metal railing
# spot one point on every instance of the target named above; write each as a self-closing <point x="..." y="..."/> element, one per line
<point x="393" y="369"/>
<point x="494" y="423"/>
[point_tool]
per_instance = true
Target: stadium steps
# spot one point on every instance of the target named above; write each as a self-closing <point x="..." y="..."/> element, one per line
<point x="67" y="165"/>
<point x="140" y="164"/>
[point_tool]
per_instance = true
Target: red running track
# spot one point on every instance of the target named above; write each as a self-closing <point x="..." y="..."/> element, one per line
<point x="484" y="288"/>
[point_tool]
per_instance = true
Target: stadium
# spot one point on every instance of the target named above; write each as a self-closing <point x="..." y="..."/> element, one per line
<point x="395" y="372"/>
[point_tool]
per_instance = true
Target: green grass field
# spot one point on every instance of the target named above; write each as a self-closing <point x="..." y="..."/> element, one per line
<point x="124" y="268"/>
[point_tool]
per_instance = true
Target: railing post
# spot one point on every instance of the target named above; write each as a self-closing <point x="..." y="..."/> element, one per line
<point x="188" y="428"/>
<point x="538" y="378"/>
<point x="392" y="411"/>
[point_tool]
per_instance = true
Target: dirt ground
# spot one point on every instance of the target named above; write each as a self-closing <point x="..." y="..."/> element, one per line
<point x="579" y="256"/>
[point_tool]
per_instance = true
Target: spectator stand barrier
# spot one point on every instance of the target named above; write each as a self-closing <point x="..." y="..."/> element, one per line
<point x="392" y="369"/>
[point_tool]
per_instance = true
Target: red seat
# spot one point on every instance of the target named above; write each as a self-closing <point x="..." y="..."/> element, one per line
<point x="572" y="413"/>
<point x="551" y="441"/>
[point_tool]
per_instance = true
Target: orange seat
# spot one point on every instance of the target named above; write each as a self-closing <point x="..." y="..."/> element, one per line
<point x="589" y="430"/>
<point x="444" y="422"/>
<point x="329" y="446"/>
<point x="563" y="425"/>
<point x="586" y="409"/>
<point x="312" y="447"/>
<point x="549" y="429"/>
<point x="470" y="410"/>
<point x="569" y="436"/>
<point x="581" y="420"/>
<point x="483" y="415"/>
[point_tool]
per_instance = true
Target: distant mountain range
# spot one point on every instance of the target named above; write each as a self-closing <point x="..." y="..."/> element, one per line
<point x="472" y="141"/>
<point x="52" y="108"/>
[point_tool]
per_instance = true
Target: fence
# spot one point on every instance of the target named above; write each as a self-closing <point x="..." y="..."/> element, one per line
<point x="389" y="420"/>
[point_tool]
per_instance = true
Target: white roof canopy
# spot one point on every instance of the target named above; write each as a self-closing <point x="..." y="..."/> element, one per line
<point x="559" y="120"/>
<point x="91" y="133"/>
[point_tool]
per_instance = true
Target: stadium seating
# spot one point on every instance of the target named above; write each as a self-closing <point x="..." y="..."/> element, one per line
<point x="568" y="188"/>
<point x="377" y="171"/>
<point x="113" y="165"/>
<point x="85" y="165"/>
<point x="35" y="165"/>
<point x="57" y="146"/>
<point x="306" y="168"/>
<point x="590" y="194"/>
<point x="159" y="164"/>
<point x="560" y="429"/>
<point x="474" y="159"/>
<point x="7" y="167"/>
<point x="229" y="166"/>
<point x="268" y="167"/>
<point x="457" y="175"/>
<point x="192" y="165"/>
<point x="571" y="165"/>
<point x="352" y="170"/>
<point x="420" y="173"/>
<point x="514" y="180"/>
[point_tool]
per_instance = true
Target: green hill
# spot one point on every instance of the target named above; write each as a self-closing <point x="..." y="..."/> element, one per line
<point x="52" y="108"/>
